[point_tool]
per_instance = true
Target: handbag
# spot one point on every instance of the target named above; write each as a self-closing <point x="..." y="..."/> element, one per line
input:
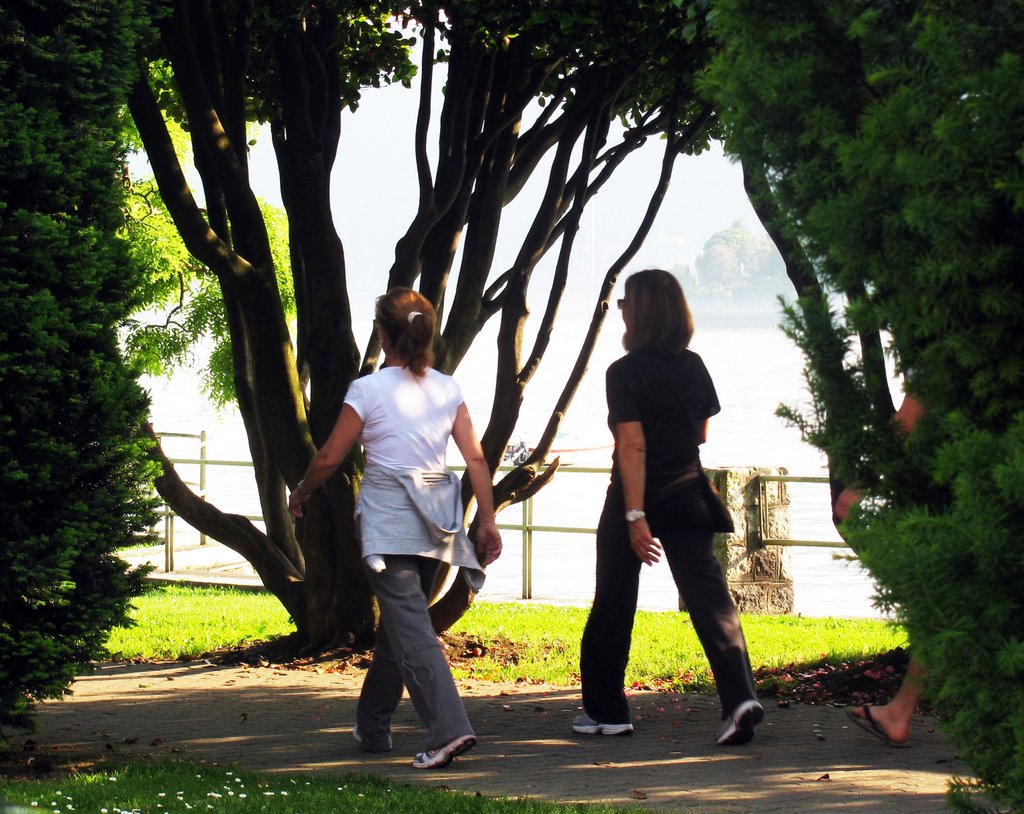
<point x="721" y="519"/>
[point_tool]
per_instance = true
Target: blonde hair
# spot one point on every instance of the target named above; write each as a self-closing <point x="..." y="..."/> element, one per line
<point x="660" y="317"/>
<point x="407" y="319"/>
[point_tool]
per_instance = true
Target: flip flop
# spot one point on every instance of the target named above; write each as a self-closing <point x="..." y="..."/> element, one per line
<point x="870" y="725"/>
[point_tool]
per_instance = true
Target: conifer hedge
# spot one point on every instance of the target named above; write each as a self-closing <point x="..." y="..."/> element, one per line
<point x="73" y="468"/>
<point x="885" y="141"/>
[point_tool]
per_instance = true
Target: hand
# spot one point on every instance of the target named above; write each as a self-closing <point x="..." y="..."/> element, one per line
<point x="646" y="548"/>
<point x="296" y="500"/>
<point x="847" y="499"/>
<point x="488" y="542"/>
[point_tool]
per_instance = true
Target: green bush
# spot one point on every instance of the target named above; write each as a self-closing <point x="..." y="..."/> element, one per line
<point x="73" y="467"/>
<point x="956" y="576"/>
<point x="884" y="141"/>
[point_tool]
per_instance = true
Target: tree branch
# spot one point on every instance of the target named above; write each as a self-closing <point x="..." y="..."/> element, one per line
<point x="279" y="574"/>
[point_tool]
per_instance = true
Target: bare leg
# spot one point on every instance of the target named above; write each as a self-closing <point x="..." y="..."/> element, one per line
<point x="895" y="717"/>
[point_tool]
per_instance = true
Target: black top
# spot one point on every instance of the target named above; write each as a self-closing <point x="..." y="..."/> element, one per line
<point x="671" y="396"/>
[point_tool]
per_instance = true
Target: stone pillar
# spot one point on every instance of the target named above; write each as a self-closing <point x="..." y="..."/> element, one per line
<point x="760" y="577"/>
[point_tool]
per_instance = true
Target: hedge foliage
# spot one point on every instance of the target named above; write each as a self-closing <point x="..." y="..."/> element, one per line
<point x="888" y="135"/>
<point x="73" y="465"/>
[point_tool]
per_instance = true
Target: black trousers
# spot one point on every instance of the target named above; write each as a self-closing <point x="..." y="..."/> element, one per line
<point x="687" y="540"/>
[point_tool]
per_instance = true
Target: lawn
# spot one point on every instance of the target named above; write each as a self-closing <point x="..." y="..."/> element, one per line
<point x="179" y="788"/>
<point x="808" y="659"/>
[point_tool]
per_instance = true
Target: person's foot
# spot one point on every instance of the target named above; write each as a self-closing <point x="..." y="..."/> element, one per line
<point x="383" y="746"/>
<point x="879" y="722"/>
<point x="739" y="727"/>
<point x="438" y="758"/>
<point x="585" y="725"/>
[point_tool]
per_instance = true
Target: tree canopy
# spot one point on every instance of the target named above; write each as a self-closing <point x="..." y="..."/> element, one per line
<point x="608" y="74"/>
<point x="733" y="264"/>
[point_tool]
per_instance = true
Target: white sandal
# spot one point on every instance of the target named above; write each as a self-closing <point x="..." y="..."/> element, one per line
<point x="438" y="758"/>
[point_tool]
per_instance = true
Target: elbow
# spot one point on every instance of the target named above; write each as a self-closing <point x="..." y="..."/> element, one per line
<point x="635" y="455"/>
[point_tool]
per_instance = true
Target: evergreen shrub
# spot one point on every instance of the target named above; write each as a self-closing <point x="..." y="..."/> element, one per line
<point x="74" y="467"/>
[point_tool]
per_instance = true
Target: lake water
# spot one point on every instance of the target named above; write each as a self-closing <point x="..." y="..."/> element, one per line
<point x="755" y="368"/>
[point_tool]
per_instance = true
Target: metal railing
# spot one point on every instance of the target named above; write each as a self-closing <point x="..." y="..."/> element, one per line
<point x="526" y="526"/>
<point x="763" y="503"/>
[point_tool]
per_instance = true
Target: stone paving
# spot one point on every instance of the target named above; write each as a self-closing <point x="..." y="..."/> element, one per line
<point x="804" y="758"/>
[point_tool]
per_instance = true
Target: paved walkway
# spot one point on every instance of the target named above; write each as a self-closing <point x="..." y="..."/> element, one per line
<point x="804" y="759"/>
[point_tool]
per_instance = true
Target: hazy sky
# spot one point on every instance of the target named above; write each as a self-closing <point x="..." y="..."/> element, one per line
<point x="374" y="199"/>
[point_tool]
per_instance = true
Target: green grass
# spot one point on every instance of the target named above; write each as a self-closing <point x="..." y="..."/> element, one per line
<point x="546" y="644"/>
<point x="179" y="788"/>
<point x="535" y="643"/>
<point x="180" y="622"/>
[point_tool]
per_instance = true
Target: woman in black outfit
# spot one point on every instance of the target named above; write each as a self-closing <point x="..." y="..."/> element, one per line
<point x="660" y="397"/>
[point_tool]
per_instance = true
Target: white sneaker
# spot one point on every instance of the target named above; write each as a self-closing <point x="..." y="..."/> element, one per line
<point x="438" y="758"/>
<point x="371" y="747"/>
<point x="586" y="725"/>
<point x="739" y="727"/>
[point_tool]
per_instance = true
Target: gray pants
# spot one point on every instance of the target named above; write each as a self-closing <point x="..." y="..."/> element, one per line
<point x="407" y="655"/>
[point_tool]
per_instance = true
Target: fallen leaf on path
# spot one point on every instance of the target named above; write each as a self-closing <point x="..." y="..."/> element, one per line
<point x="639" y="795"/>
<point x="823" y="777"/>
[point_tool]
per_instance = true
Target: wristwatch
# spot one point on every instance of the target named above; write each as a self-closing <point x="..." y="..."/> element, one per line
<point x="632" y="515"/>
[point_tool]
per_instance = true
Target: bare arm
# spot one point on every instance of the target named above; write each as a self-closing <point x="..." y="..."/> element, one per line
<point x="327" y="459"/>
<point x="908" y="414"/>
<point x="488" y="538"/>
<point x="905" y="419"/>
<point x="631" y="456"/>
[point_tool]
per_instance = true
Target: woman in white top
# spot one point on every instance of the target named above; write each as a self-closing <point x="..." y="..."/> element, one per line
<point x="409" y="518"/>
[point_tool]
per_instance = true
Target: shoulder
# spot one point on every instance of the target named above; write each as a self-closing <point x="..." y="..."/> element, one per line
<point x="442" y="381"/>
<point x="623" y="365"/>
<point x="691" y="358"/>
<point x="374" y="379"/>
<point x="371" y="383"/>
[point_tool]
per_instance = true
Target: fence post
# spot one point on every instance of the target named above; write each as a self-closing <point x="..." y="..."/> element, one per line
<point x="202" y="475"/>
<point x="527" y="533"/>
<point x="760" y="577"/>
<point x="168" y="539"/>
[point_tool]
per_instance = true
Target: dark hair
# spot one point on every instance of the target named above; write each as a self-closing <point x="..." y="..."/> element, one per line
<point x="659" y="317"/>
<point x="407" y="319"/>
